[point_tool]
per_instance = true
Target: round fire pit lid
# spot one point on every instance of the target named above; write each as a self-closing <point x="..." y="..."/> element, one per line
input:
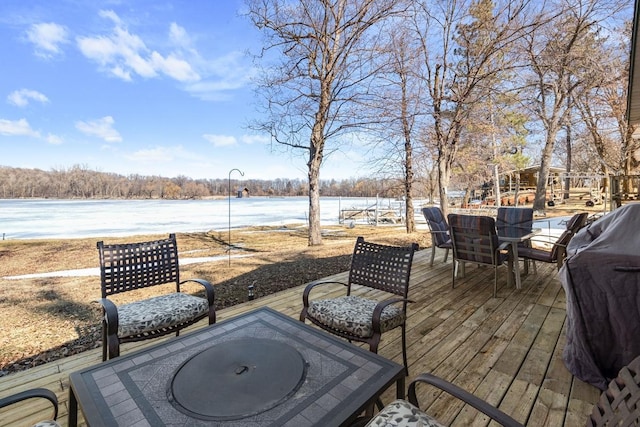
<point x="237" y="379"/>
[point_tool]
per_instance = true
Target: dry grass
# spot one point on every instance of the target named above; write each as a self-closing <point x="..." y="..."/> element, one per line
<point x="48" y="318"/>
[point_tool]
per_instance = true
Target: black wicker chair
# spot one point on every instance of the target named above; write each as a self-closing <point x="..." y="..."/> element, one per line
<point x="35" y="393"/>
<point x="618" y="406"/>
<point x="130" y="266"/>
<point x="362" y="319"/>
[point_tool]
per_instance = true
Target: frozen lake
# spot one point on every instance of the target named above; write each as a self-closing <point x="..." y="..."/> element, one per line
<point x="46" y="219"/>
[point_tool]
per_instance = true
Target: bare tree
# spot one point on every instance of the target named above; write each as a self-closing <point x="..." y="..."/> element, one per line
<point x="465" y="46"/>
<point x="395" y="112"/>
<point x="560" y="65"/>
<point x="324" y="58"/>
<point x="603" y="108"/>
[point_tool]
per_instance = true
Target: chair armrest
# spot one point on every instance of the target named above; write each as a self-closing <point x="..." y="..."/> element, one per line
<point x="310" y="286"/>
<point x="307" y="291"/>
<point x="208" y="287"/>
<point x="504" y="246"/>
<point x="377" y="311"/>
<point x="210" y="291"/>
<point x="481" y="405"/>
<point x="438" y="231"/>
<point x="31" y="394"/>
<point x="110" y="312"/>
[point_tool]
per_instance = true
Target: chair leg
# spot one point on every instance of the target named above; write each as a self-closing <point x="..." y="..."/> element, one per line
<point x="453" y="275"/>
<point x="104" y="341"/>
<point x="446" y="255"/>
<point x="433" y="254"/>
<point x="404" y="349"/>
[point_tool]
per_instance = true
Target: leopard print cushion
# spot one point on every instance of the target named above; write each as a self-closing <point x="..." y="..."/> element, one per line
<point x="47" y="424"/>
<point x="353" y="314"/>
<point x="159" y="312"/>
<point x="402" y="413"/>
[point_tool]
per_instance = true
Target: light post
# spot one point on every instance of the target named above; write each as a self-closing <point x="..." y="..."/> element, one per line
<point x="229" y="241"/>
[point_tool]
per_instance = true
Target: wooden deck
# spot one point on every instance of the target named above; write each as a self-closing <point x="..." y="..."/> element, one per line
<point x="506" y="350"/>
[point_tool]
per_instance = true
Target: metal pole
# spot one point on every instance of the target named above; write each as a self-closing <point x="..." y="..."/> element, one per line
<point x="229" y="240"/>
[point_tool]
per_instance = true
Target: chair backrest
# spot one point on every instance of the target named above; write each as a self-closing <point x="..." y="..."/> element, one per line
<point x="128" y="266"/>
<point x="573" y="225"/>
<point x="383" y="267"/>
<point x="437" y="223"/>
<point x="474" y="238"/>
<point x="520" y="217"/>
<point x="619" y="405"/>
<point x="577" y="221"/>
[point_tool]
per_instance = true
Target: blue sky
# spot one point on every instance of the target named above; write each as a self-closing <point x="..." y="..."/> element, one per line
<point x="136" y="87"/>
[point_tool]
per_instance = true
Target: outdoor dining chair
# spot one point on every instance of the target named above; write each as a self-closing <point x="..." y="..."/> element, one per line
<point x="557" y="253"/>
<point x="439" y="230"/>
<point x="509" y="217"/>
<point x="362" y="318"/>
<point x="619" y="405"/>
<point x="475" y="240"/>
<point x="133" y="266"/>
<point x="35" y="393"/>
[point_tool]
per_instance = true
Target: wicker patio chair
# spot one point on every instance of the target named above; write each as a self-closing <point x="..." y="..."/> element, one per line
<point x="557" y="253"/>
<point x="618" y="406"/>
<point x="363" y="319"/>
<point x="475" y="240"/>
<point x="35" y="393"/>
<point x="408" y="414"/>
<point x="439" y="230"/>
<point x="131" y="266"/>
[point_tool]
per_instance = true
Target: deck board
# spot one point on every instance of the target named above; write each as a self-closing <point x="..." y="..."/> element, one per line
<point x="506" y="350"/>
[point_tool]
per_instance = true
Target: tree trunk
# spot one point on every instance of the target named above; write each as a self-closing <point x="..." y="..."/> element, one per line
<point x="443" y="184"/>
<point x="543" y="174"/>
<point x="315" y="161"/>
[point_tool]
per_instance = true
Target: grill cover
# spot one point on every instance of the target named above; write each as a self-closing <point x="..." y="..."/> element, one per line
<point x="601" y="279"/>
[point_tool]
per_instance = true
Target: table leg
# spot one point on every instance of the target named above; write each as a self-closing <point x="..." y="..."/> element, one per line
<point x="400" y="386"/>
<point x="73" y="409"/>
<point x="516" y="265"/>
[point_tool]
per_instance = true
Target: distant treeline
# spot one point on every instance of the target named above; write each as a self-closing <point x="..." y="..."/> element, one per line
<point x="82" y="183"/>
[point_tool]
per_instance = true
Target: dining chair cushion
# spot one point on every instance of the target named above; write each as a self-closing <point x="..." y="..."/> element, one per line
<point x="354" y="315"/>
<point x="402" y="413"/>
<point x="159" y="312"/>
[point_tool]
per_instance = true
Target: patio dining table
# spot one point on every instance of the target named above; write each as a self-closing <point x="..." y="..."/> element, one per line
<point x="257" y="369"/>
<point x="514" y="235"/>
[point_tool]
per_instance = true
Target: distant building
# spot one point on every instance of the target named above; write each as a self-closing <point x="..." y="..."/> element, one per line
<point x="528" y="178"/>
<point x="243" y="192"/>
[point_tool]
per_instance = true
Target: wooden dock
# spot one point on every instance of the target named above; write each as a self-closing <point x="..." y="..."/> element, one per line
<point x="506" y="350"/>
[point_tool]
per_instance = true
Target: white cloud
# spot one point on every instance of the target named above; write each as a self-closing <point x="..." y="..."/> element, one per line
<point x="17" y="128"/>
<point x="102" y="128"/>
<point x="178" y="35"/>
<point x="161" y="155"/>
<point x="222" y="76"/>
<point x="123" y="54"/>
<point x="21" y="97"/>
<point x="54" y="139"/>
<point x="255" y="139"/>
<point x="47" y="38"/>
<point x="220" y="140"/>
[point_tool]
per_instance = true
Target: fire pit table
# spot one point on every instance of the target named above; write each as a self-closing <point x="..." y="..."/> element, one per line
<point x="260" y="368"/>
